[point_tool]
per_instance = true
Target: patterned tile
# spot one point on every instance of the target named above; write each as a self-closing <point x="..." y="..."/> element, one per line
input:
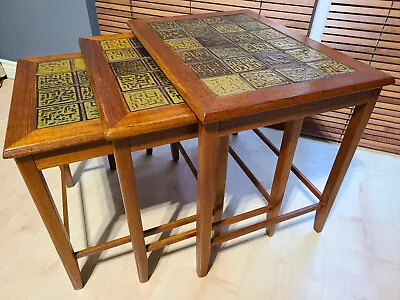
<point x="58" y="115"/>
<point x="243" y="37"/>
<point x="306" y="54"/>
<point x="286" y="43"/>
<point x="191" y="23"/>
<point x="227" y="85"/>
<point x="269" y="34"/>
<point x="145" y="99"/>
<point x="226" y="52"/>
<point x="201" y="31"/>
<point x="79" y="64"/>
<point x="173" y="94"/>
<point x="276" y="58"/>
<point x="183" y="44"/>
<point x="210" y="69"/>
<point x="57" y="96"/>
<point x="227" y="28"/>
<point x="135" y="42"/>
<point x="238" y="18"/>
<point x="54" y="80"/>
<point x="51" y="67"/>
<point x="116" y="44"/>
<point x="257" y="47"/>
<point x="164" y="25"/>
<point x="122" y="54"/>
<point x="215" y="20"/>
<point x="86" y="92"/>
<point x="136" y="82"/>
<point x="162" y="79"/>
<point x="91" y="110"/>
<point x="142" y="52"/>
<point x="151" y="64"/>
<point x="195" y="56"/>
<point x="244" y="64"/>
<point x="127" y="67"/>
<point x="264" y="79"/>
<point x="253" y="25"/>
<point x="172" y="34"/>
<point x="331" y="67"/>
<point x="213" y="41"/>
<point x="300" y="73"/>
<point x="83" y="77"/>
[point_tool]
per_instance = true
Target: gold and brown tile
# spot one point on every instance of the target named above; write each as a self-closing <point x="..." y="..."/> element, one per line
<point x="306" y="54"/>
<point x="210" y="69"/>
<point x="201" y="31"/>
<point x="226" y="52"/>
<point x="172" y="34"/>
<point x="184" y="44"/>
<point x="51" y="67"/>
<point x="161" y="78"/>
<point x="239" y="18"/>
<point x="264" y="79"/>
<point x="331" y="67"/>
<point x="242" y="37"/>
<point x="215" y="20"/>
<point x="195" y="56"/>
<point x="49" y="81"/>
<point x="299" y="73"/>
<point x="286" y="43"/>
<point x="135" y="42"/>
<point x="227" y="85"/>
<point x="191" y="23"/>
<point x="86" y="92"/>
<point x="275" y="58"/>
<point x="167" y="25"/>
<point x="136" y="81"/>
<point x="228" y="28"/>
<point x="91" y="110"/>
<point x="269" y="34"/>
<point x="127" y="67"/>
<point x="56" y="96"/>
<point x="121" y="54"/>
<point x="83" y="77"/>
<point x="213" y="41"/>
<point x="79" y="64"/>
<point x="116" y="44"/>
<point x="173" y="94"/>
<point x="253" y="25"/>
<point x="145" y="99"/>
<point x="257" y="47"/>
<point x="244" y="64"/>
<point x="151" y="64"/>
<point x="58" y="115"/>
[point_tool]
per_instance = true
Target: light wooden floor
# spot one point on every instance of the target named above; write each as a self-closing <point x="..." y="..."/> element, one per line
<point x="357" y="256"/>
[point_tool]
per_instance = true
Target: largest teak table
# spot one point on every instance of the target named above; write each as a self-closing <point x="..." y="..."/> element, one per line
<point x="238" y="71"/>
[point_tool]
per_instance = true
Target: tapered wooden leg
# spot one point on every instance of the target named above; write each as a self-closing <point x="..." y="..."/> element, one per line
<point x="206" y="192"/>
<point x="111" y="161"/>
<point x="285" y="159"/>
<point x="222" y="166"/>
<point x="149" y="151"/>
<point x="64" y="176"/>
<point x="40" y="193"/>
<point x="348" y="147"/>
<point x="66" y="172"/>
<point x="126" y="176"/>
<point x="174" y="151"/>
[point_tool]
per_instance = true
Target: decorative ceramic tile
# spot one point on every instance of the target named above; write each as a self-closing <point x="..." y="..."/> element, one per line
<point x="227" y="85"/>
<point x="79" y="64"/>
<point x="135" y="42"/>
<point x="164" y="25"/>
<point x="51" y="67"/>
<point x="127" y="67"/>
<point x="91" y="110"/>
<point x="226" y="52"/>
<point x="145" y="99"/>
<point x="242" y="37"/>
<point x="86" y="92"/>
<point x="56" y="96"/>
<point x="136" y="81"/>
<point x="300" y="73"/>
<point x="331" y="67"/>
<point x="201" y="31"/>
<point x="115" y="44"/>
<point x="306" y="54"/>
<point x="142" y="52"/>
<point x="58" y="115"/>
<point x="173" y="94"/>
<point x="191" y="23"/>
<point x="83" y="77"/>
<point x="227" y="28"/>
<point x="238" y="18"/>
<point x="215" y="20"/>
<point x="183" y="44"/>
<point x="276" y="58"/>
<point x="210" y="69"/>
<point x="172" y="34"/>
<point x="285" y="43"/>
<point x="244" y="64"/>
<point x="151" y="64"/>
<point x="269" y="34"/>
<point x="253" y="25"/>
<point x="162" y="79"/>
<point x="122" y="54"/>
<point x="195" y="56"/>
<point x="54" y="80"/>
<point x="213" y="41"/>
<point x="257" y="47"/>
<point x="264" y="79"/>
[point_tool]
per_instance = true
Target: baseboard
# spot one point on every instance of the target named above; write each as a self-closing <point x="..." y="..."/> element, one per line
<point x="10" y="67"/>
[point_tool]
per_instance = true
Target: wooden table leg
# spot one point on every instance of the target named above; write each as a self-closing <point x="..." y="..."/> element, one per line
<point x="66" y="172"/>
<point x="126" y="177"/>
<point x="206" y="192"/>
<point x="174" y="151"/>
<point x="348" y="147"/>
<point x="222" y="166"/>
<point x="40" y="193"/>
<point x="285" y="160"/>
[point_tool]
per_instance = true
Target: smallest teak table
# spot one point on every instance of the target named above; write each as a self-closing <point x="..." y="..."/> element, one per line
<point x="238" y="71"/>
